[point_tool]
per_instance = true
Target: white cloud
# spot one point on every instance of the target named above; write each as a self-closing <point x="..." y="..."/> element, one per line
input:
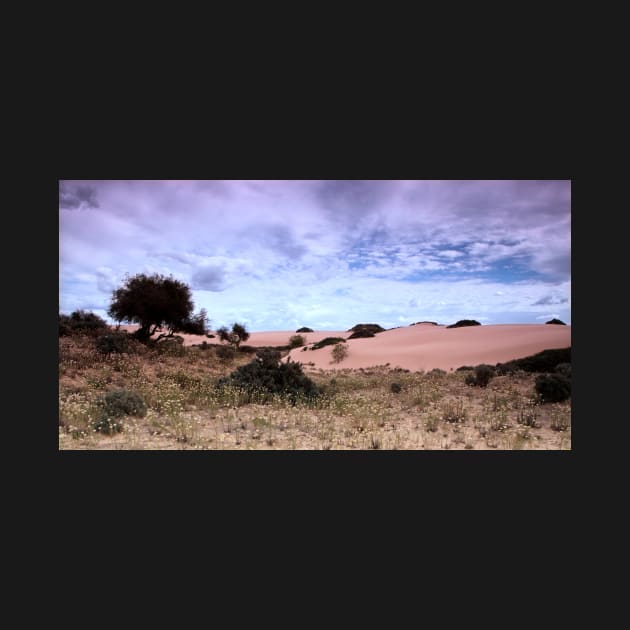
<point x="290" y="251"/>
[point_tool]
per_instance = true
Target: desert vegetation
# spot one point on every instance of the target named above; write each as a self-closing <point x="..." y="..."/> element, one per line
<point x="464" y="322"/>
<point x="130" y="391"/>
<point x="156" y="303"/>
<point x="371" y="328"/>
<point x="170" y="396"/>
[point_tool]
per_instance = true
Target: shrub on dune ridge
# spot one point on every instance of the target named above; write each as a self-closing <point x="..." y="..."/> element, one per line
<point x="464" y="322"/>
<point x="361" y="333"/>
<point x="304" y="329"/>
<point x="327" y="341"/>
<point x="373" y="328"/>
<point x="544" y="361"/>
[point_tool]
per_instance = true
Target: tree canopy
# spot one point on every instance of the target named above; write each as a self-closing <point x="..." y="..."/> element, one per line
<point x="156" y="302"/>
<point x="235" y="336"/>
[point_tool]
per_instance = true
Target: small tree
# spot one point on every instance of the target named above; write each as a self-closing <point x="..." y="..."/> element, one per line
<point x="339" y="352"/>
<point x="156" y="302"/>
<point x="296" y="341"/>
<point x="235" y="336"/>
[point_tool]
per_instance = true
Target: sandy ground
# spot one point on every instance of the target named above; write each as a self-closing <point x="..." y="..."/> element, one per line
<point x="424" y="347"/>
<point x="256" y="339"/>
<point x="420" y="347"/>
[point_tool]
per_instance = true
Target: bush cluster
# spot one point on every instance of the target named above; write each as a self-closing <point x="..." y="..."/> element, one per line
<point x="373" y="328"/>
<point x="116" y="404"/>
<point x="564" y="369"/>
<point x="81" y="322"/>
<point x="265" y="374"/>
<point x="114" y="342"/>
<point x="359" y="334"/>
<point x="554" y="387"/>
<point x="555" y="321"/>
<point x="225" y="353"/>
<point x="171" y="347"/>
<point x="327" y="341"/>
<point x="339" y="352"/>
<point x="304" y="329"/>
<point x="296" y="341"/>
<point x="481" y="376"/>
<point x="544" y="361"/>
<point x="464" y="322"/>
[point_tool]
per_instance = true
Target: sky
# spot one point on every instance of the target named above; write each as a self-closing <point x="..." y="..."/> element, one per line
<point x="327" y="254"/>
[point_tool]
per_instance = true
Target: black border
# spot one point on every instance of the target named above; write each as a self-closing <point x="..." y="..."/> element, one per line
<point x="343" y="147"/>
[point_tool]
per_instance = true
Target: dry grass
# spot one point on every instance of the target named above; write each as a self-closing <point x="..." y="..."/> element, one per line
<point x="433" y="411"/>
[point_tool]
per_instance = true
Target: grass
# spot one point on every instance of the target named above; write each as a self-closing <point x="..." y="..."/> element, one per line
<point x="370" y="409"/>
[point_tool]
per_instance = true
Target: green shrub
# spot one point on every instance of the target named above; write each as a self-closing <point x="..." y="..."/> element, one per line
<point x="327" y="341"/>
<point x="81" y="322"/>
<point x="555" y="321"/>
<point x="437" y="372"/>
<point x="248" y="349"/>
<point x="481" y="377"/>
<point x="465" y="368"/>
<point x="114" y="342"/>
<point x="339" y="352"/>
<point x="395" y="388"/>
<point x="265" y="376"/>
<point x="123" y="402"/>
<point x="296" y="341"/>
<point x="304" y="329"/>
<point x="553" y="387"/>
<point x="359" y="334"/>
<point x="225" y="353"/>
<point x="564" y="369"/>
<point x="544" y="361"/>
<point x="113" y="406"/>
<point x="373" y="328"/>
<point x="172" y="347"/>
<point x="464" y="322"/>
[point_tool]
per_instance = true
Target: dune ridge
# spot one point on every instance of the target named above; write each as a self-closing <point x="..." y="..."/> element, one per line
<point x="417" y="347"/>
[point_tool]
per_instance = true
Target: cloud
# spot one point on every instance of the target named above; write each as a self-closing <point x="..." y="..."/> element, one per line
<point x="270" y="251"/>
<point x="106" y="280"/>
<point x="352" y="200"/>
<point x="77" y="196"/>
<point x="209" y="279"/>
<point x="278" y="238"/>
<point x="550" y="299"/>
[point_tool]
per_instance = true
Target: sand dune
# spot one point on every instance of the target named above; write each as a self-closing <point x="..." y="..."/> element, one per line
<point x="424" y="347"/>
<point x="419" y="347"/>
<point x="257" y="339"/>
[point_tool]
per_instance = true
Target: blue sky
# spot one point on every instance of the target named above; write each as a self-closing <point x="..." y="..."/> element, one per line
<point x="328" y="254"/>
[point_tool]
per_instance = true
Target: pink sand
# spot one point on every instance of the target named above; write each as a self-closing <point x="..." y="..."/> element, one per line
<point x="424" y="346"/>
<point x="419" y="347"/>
